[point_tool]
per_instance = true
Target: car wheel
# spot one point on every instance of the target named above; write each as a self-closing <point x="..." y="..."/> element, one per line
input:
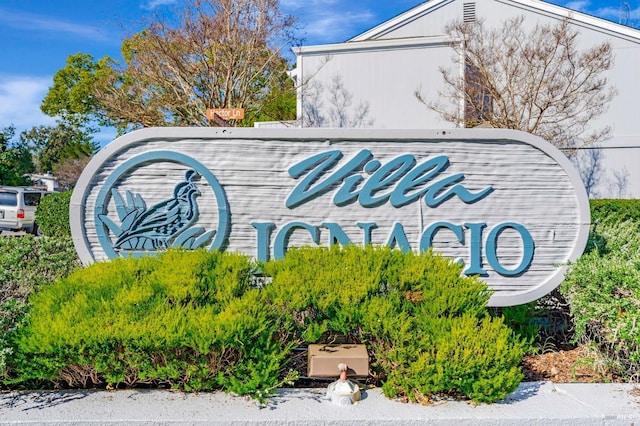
<point x="36" y="230"/>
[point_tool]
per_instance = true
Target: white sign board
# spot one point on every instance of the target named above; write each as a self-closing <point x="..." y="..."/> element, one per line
<point x="507" y="204"/>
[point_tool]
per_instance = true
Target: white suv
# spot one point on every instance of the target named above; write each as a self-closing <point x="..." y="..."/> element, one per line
<point x="18" y="208"/>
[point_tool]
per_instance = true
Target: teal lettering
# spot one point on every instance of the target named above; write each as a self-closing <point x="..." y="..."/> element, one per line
<point x="263" y="239"/>
<point x="475" y="251"/>
<point x="398" y="238"/>
<point x="417" y="177"/>
<point x="527" y="244"/>
<point x="383" y="178"/>
<point x="282" y="237"/>
<point x="366" y="228"/>
<point x="336" y="234"/>
<point x="400" y="181"/>
<point x="317" y="165"/>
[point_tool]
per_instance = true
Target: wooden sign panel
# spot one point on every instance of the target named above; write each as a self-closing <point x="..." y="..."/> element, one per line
<point x="225" y="113"/>
<point x="507" y="204"/>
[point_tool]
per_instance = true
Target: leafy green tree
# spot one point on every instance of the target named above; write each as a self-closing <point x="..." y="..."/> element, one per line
<point x="71" y="98"/>
<point x="15" y="159"/>
<point x="52" y="146"/>
<point x="279" y="104"/>
<point x="64" y="149"/>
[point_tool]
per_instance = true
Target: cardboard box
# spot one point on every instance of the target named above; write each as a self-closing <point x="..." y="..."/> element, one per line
<point x="323" y="360"/>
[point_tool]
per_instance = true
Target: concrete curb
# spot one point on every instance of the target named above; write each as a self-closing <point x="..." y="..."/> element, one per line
<point x="535" y="403"/>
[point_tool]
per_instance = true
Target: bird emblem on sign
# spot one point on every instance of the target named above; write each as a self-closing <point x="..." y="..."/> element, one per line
<point x="161" y="226"/>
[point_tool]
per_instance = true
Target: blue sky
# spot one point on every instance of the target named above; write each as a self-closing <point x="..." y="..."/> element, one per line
<point x="36" y="36"/>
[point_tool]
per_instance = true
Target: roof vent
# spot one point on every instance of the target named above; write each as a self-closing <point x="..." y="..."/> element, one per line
<point x="469" y="12"/>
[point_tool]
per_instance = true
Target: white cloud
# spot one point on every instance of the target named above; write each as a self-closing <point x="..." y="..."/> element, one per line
<point x="628" y="16"/>
<point x="25" y="21"/>
<point x="310" y="4"/>
<point x="20" y="99"/>
<point x="329" y="21"/>
<point x="336" y="25"/>
<point x="611" y="13"/>
<point x="152" y="4"/>
<point x="579" y="5"/>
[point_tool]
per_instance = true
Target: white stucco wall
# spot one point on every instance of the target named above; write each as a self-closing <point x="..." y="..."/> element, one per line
<point x="384" y="66"/>
<point x="381" y="76"/>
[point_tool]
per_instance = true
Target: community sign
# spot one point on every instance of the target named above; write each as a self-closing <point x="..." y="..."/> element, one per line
<point x="508" y="205"/>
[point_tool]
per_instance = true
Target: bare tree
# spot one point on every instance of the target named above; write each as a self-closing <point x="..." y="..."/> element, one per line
<point x="216" y="54"/>
<point x="537" y="81"/>
<point x="69" y="170"/>
<point x="588" y="162"/>
<point x="339" y="113"/>
<point x="620" y="183"/>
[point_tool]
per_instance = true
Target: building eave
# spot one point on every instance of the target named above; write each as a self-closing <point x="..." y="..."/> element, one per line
<point x="400" y="20"/>
<point x="533" y="5"/>
<point x="578" y="17"/>
<point x="371" y="45"/>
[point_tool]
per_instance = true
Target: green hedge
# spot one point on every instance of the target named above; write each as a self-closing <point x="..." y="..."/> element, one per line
<point x="52" y="214"/>
<point x="185" y="319"/>
<point x="27" y="263"/>
<point x="603" y="289"/>
<point x="426" y="325"/>
<point x="614" y="210"/>
<point x="194" y="320"/>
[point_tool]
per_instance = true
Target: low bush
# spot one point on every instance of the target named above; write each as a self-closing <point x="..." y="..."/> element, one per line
<point x="27" y="263"/>
<point x="194" y="320"/>
<point x="612" y="228"/>
<point x="525" y="322"/>
<point x="52" y="214"/>
<point x="614" y="210"/>
<point x="426" y="325"/>
<point x="603" y="288"/>
<point x="185" y="319"/>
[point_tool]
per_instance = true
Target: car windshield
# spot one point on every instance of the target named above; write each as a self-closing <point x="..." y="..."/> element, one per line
<point x="8" y="199"/>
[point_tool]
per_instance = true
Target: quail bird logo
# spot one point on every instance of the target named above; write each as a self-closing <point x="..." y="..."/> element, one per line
<point x="166" y="224"/>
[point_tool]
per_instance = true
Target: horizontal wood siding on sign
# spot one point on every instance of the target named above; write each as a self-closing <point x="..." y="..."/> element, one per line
<point x="530" y="187"/>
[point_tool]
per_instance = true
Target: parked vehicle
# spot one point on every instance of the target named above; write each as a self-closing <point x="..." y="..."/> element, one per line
<point x="18" y="208"/>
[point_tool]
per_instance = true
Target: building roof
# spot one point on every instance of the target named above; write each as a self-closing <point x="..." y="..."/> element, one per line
<point x="538" y="6"/>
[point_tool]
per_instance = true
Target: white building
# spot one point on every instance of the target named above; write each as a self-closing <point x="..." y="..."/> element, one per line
<point x="371" y="79"/>
<point x="46" y="181"/>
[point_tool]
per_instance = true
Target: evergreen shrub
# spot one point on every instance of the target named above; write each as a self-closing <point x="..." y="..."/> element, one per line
<point x="603" y="288"/>
<point x="184" y="319"/>
<point x="27" y="263"/>
<point x="614" y="210"/>
<point x="426" y="325"/>
<point x="194" y="320"/>
<point x="52" y="214"/>
<point x="526" y="322"/>
<point x="549" y="322"/>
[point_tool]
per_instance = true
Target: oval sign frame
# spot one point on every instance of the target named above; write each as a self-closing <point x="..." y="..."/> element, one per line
<point x="507" y="204"/>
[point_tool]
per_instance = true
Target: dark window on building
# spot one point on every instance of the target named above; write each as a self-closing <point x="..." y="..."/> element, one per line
<point x="478" y="102"/>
